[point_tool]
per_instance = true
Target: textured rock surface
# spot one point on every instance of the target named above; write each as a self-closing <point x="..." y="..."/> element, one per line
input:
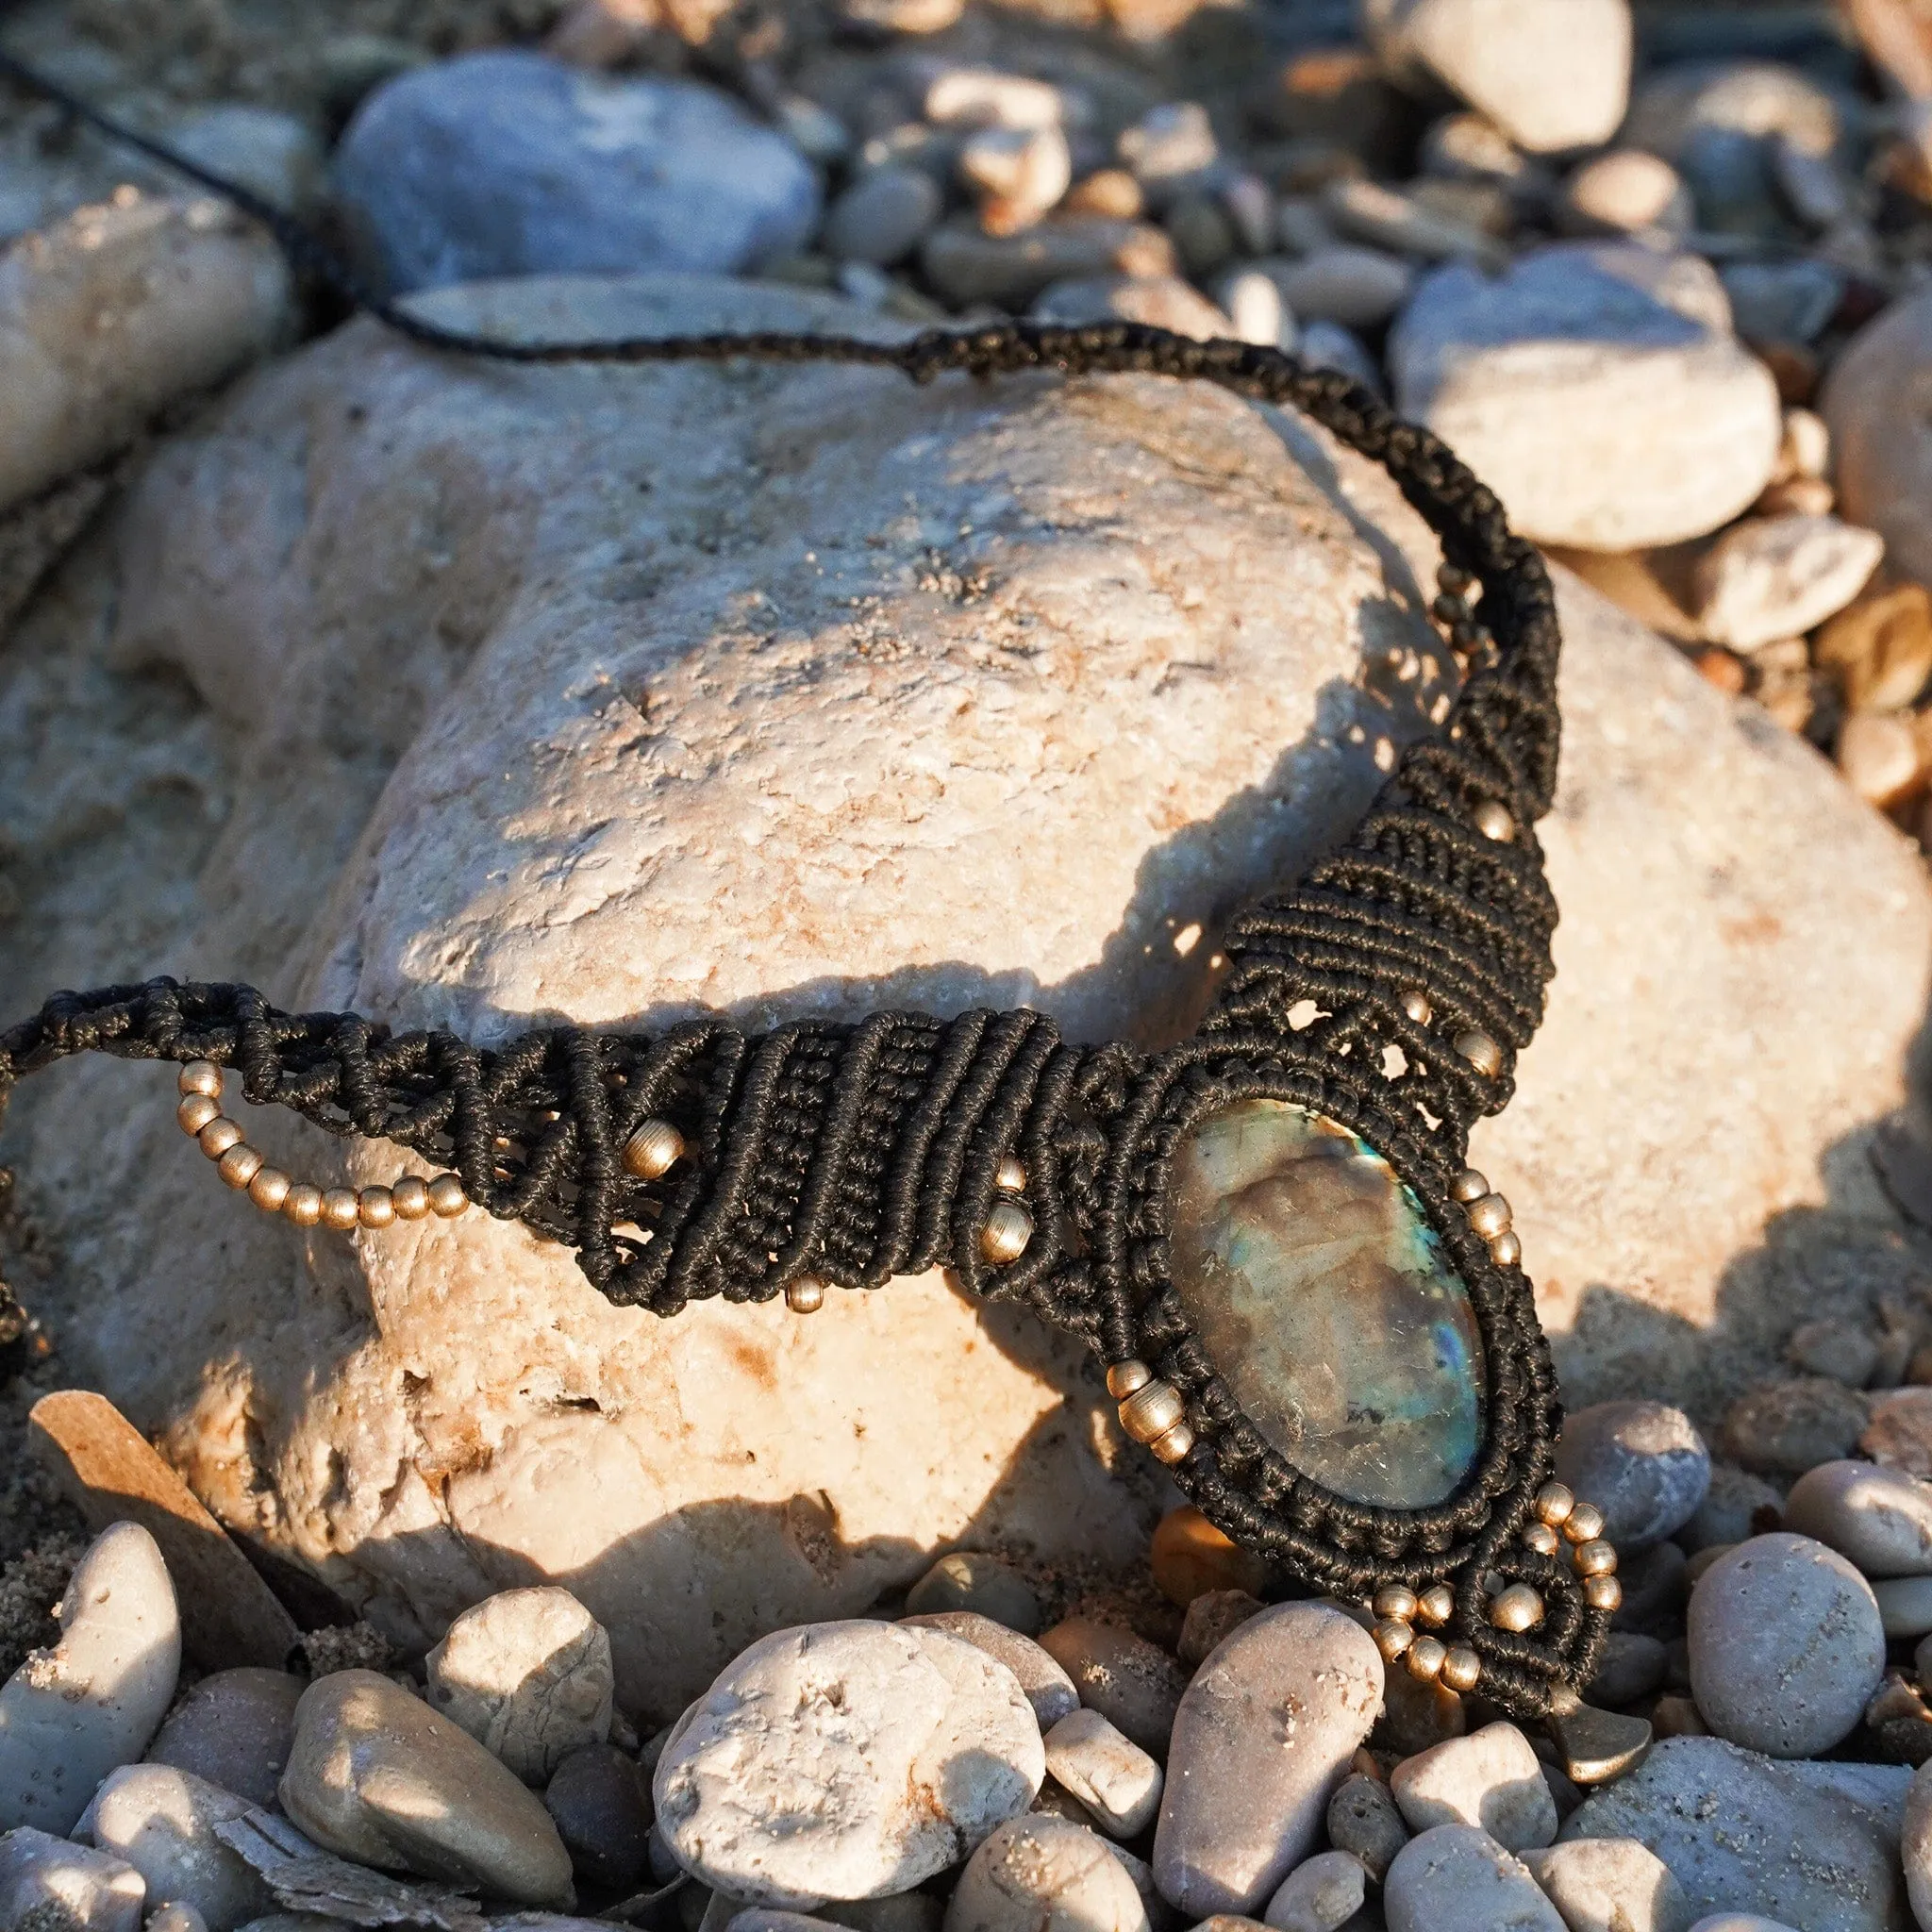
<point x="1880" y="1517"/>
<point x="1045" y="1874"/>
<point x="1491" y="1779"/>
<point x="1048" y="1686"/>
<point x="652" y="775"/>
<point x="233" y="1729"/>
<point x="1610" y="1885"/>
<point x="1455" y="1878"/>
<point x="1641" y="1463"/>
<point x="162" y="1822"/>
<point x="66" y="1885"/>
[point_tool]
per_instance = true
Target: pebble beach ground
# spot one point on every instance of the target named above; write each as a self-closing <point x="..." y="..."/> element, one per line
<point x="1664" y="279"/>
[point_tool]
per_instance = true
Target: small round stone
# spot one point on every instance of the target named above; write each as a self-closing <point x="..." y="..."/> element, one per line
<point x="1152" y="1411"/>
<point x="239" y="1165"/>
<point x="1425" y="1658"/>
<point x="410" y="1197"/>
<point x="1189" y="1557"/>
<point x="1395" y="1600"/>
<point x="975" y="1581"/>
<point x="1595" y="1558"/>
<point x="1518" y="1608"/>
<point x="1393" y="1637"/>
<point x="1468" y="1185"/>
<point x="339" y="1208"/>
<point x="269" y="1188"/>
<point x="1363" y="1822"/>
<point x="1008" y="1229"/>
<point x="1457" y="1878"/>
<point x="1319" y="1895"/>
<point x="1046" y="1686"/>
<point x="219" y="1135"/>
<point x="1011" y="1176"/>
<point x="446" y="1197"/>
<point x="1491" y="1779"/>
<point x="1541" y="1537"/>
<point x="1611" y="1885"/>
<point x="197" y="1112"/>
<point x="376" y="1207"/>
<point x="1481" y="1052"/>
<point x="1584" y="1523"/>
<point x="1490" y="1216"/>
<point x="805" y="1295"/>
<point x="599" y="1801"/>
<point x="1554" y="1503"/>
<point x="1462" y="1668"/>
<point x="1494" y="823"/>
<point x="1506" y="1251"/>
<point x="200" y="1076"/>
<point x="1046" y="1873"/>
<point x="653" y="1149"/>
<point x="1128" y="1379"/>
<point x="1881" y="1518"/>
<point x="1416" y="1005"/>
<point x="1436" y="1605"/>
<point x="1643" y="1463"/>
<point x="303" y="1204"/>
<point x="1134" y="1685"/>
<point x="234" y="1729"/>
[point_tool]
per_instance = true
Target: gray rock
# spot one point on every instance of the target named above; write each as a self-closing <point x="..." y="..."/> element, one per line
<point x="1319" y="1895"/>
<point x="66" y="1886"/>
<point x="1047" y="1687"/>
<point x="1884" y="454"/>
<point x="599" y="1801"/>
<point x="967" y="265"/>
<point x="1134" y="1685"/>
<point x="1784" y="1429"/>
<point x="233" y="1729"/>
<point x="378" y="1776"/>
<point x="1810" y="1845"/>
<point x="1633" y="1666"/>
<point x="1111" y="1777"/>
<point x="1365" y="1821"/>
<point x="509" y="163"/>
<point x="845" y="1761"/>
<point x="69" y="1715"/>
<point x="1240" y="1813"/>
<point x="1845" y="1351"/>
<point x="1159" y="301"/>
<point x="883" y="216"/>
<point x="1782" y="301"/>
<point x="1760" y="99"/>
<point x="1725" y="1516"/>
<point x="1904" y="1605"/>
<point x="1879" y="1518"/>
<point x="1641" y="1463"/>
<point x="1610" y="1885"/>
<point x="162" y="1822"/>
<point x="274" y="154"/>
<point x="1491" y="1779"/>
<point x="1773" y="577"/>
<point x="1455" y="1878"/>
<point x="1655" y="1587"/>
<point x="1785" y="1646"/>
<point x="176" y="1917"/>
<point x="1597" y="388"/>
<point x="1915" y="1843"/>
<point x="1739" y="1922"/>
<point x="1170" y="144"/>
<point x="1045" y="1874"/>
<point x="1359" y="288"/>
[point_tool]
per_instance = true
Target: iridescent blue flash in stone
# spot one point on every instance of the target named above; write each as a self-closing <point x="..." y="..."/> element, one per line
<point x="1322" y="1296"/>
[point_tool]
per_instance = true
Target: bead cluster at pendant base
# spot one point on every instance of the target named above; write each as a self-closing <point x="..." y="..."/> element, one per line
<point x="1152" y="1411"/>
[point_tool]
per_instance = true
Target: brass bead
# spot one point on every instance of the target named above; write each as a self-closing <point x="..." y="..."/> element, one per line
<point x="1128" y="1379"/>
<point x="653" y="1149"/>
<point x="200" y="1076"/>
<point x="1603" y="1594"/>
<point x="1450" y="607"/>
<point x="269" y="1188"/>
<point x="1506" y="1251"/>
<point x="1395" y="1600"/>
<point x="1490" y="1216"/>
<point x="339" y="1208"/>
<point x="1468" y="1185"/>
<point x="1494" y="823"/>
<point x="1542" y="1538"/>
<point x="446" y="1197"/>
<point x="1584" y="1523"/>
<point x="239" y="1165"/>
<point x="197" y="1112"/>
<point x="1416" y="1005"/>
<point x="1151" y="1411"/>
<point x="1453" y="578"/>
<point x="1012" y="1177"/>
<point x="806" y="1296"/>
<point x="1170" y="1445"/>
<point x="1481" y="1052"/>
<point x="1425" y="1658"/>
<point x="1393" y="1637"/>
<point x="1008" y="1229"/>
<point x="1436" y="1605"/>
<point x="303" y="1204"/>
<point x="1518" y="1608"/>
<point x="1554" y="1503"/>
<point x="374" y="1207"/>
<point x="1462" y="1668"/>
<point x="219" y="1135"/>
<point x="1595" y="1558"/>
<point x="410" y="1197"/>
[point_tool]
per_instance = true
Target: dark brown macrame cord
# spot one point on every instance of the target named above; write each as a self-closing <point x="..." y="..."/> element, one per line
<point x="858" y="1152"/>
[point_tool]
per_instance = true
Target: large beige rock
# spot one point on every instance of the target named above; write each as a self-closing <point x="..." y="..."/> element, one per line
<point x="468" y="694"/>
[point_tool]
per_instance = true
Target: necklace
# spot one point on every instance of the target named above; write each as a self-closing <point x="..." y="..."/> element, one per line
<point x="1305" y="1301"/>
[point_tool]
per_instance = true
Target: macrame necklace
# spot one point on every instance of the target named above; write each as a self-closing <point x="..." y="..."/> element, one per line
<point x="1306" y="1303"/>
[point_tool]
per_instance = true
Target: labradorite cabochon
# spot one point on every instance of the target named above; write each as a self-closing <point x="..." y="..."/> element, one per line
<point x="1324" y="1300"/>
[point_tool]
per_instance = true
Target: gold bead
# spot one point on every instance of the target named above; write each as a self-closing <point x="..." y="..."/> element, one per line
<point x="1462" y="1666"/>
<point x="303" y="1204"/>
<point x="1008" y="1229"/>
<point x="200" y="1076"/>
<point x="1170" y="1445"/>
<point x="1506" y="1251"/>
<point x="197" y="1112"/>
<point x="1554" y="1503"/>
<point x="1395" y="1600"/>
<point x="269" y="1188"/>
<point x="239" y="1165"/>
<point x="219" y="1135"/>
<point x="1542" y="1538"/>
<point x="1416" y="1005"/>
<point x="1490" y="1216"/>
<point x="1128" y="1379"/>
<point x="1603" y="1594"/>
<point x="1584" y="1523"/>
<point x="1453" y="578"/>
<point x="1595" y="1558"/>
<point x="1494" y="823"/>
<point x="1425" y="1658"/>
<point x="339" y="1208"/>
<point x="1393" y="1636"/>
<point x="653" y="1149"/>
<point x="446" y="1197"/>
<point x="1481" y="1052"/>
<point x="1518" y="1608"/>
<point x="805" y="1295"/>
<point x="1151" y="1411"/>
<point x="410" y="1197"/>
<point x="1012" y="1177"/>
<point x="374" y="1207"/>
<point x="1468" y="1185"/>
<point x="1436" y="1605"/>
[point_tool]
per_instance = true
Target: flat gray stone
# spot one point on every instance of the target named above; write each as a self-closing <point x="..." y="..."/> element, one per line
<point x="233" y="1729"/>
<point x="1455" y="1878"/>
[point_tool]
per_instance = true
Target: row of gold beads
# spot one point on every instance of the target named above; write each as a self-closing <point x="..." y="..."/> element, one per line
<point x="1152" y="1411"/>
<point x="656" y="1146"/>
<point x="276" y="1192"/>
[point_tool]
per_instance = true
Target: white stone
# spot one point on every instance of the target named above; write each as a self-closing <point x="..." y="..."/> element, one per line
<point x="1879" y="755"/>
<point x="1172" y="143"/>
<point x="1251" y="299"/>
<point x="1778" y="576"/>
<point x="1596" y="388"/>
<point x="115" y="313"/>
<point x="1018" y="173"/>
<point x="986" y="98"/>
<point x="1161" y="300"/>
<point x="1879" y="1518"/>
<point x="1117" y="1781"/>
<point x="1048" y="1686"/>
<point x="1550" y="78"/>
<point x="1491" y="1779"/>
<point x="1319" y="1895"/>
<point x="95" y="1891"/>
<point x="1454" y="1878"/>
<point x="72" y="1714"/>
<point x="162" y="1822"/>
<point x="846" y="1760"/>
<point x="1626" y="191"/>
<point x="177" y="1917"/>
<point x="1882" y="451"/>
<point x="527" y="1674"/>
<point x="1610" y="1884"/>
<point x="1045" y="1874"/>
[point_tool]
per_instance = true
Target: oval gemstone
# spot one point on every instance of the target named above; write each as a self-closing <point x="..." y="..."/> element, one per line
<point x="1323" y="1297"/>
